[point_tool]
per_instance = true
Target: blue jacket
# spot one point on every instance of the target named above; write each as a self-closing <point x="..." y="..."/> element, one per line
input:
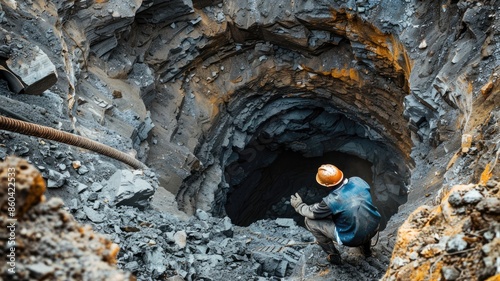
<point x="356" y="218"/>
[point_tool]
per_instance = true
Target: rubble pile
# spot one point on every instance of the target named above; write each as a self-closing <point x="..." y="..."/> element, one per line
<point x="158" y="246"/>
<point x="48" y="243"/>
<point x="459" y="239"/>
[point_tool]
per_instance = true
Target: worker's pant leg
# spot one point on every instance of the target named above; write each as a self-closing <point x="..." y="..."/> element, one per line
<point x="323" y="229"/>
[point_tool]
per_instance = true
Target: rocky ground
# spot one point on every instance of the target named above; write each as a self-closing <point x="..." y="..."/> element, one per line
<point x="455" y="240"/>
<point x="41" y="241"/>
<point x="161" y="83"/>
<point x="155" y="245"/>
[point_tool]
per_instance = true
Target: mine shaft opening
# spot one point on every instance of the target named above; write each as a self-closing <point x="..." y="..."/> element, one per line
<point x="285" y="153"/>
<point x="266" y="193"/>
<point x="269" y="103"/>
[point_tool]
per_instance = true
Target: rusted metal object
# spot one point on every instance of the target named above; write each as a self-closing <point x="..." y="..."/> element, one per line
<point x="35" y="130"/>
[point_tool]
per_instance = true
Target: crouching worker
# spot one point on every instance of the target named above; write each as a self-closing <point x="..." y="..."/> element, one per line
<point x="346" y="216"/>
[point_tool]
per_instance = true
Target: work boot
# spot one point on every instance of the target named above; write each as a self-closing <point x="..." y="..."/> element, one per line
<point x="333" y="254"/>
<point x="366" y="249"/>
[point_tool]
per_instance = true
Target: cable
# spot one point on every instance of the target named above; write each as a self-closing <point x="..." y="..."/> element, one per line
<point x="36" y="130"/>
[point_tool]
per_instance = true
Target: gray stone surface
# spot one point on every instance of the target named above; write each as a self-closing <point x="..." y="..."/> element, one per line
<point x="450" y="273"/>
<point x="33" y="66"/>
<point x="56" y="179"/>
<point x="93" y="215"/>
<point x="285" y="222"/>
<point x="40" y="270"/>
<point x="130" y="189"/>
<point x="456" y="243"/>
<point x="455" y="199"/>
<point x="472" y="197"/>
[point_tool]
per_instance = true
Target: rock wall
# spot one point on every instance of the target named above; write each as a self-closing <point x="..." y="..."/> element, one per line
<point x="247" y="72"/>
<point x="189" y="88"/>
<point x="210" y="92"/>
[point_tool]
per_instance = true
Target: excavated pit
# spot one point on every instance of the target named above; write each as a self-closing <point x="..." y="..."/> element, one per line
<point x="289" y="97"/>
<point x="283" y="155"/>
<point x="264" y="193"/>
<point x="234" y="104"/>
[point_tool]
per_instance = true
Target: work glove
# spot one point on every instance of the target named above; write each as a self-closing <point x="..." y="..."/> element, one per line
<point x="295" y="200"/>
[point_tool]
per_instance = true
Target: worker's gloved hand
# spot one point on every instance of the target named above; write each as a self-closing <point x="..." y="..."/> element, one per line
<point x="295" y="200"/>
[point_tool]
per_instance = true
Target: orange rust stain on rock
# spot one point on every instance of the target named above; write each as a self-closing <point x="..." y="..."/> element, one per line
<point x="422" y="272"/>
<point x="385" y="46"/>
<point x="324" y="272"/>
<point x="346" y="74"/>
<point x="485" y="175"/>
<point x="494" y="278"/>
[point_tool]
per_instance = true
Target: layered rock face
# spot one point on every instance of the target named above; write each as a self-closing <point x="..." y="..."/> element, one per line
<point x="302" y="78"/>
<point x="236" y="103"/>
<point x="212" y="94"/>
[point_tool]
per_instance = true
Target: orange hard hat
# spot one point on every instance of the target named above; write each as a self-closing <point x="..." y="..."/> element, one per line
<point x="328" y="175"/>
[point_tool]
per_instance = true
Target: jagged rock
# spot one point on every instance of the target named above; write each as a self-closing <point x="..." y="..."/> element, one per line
<point x="56" y="179"/>
<point x="130" y="189"/>
<point x="450" y="273"/>
<point x="399" y="262"/>
<point x="455" y="199"/>
<point x="33" y="66"/>
<point x="74" y="205"/>
<point x="155" y="261"/>
<point x="143" y="77"/>
<point x="154" y="12"/>
<point x="472" y="197"/>
<point x="202" y="215"/>
<point x="94" y="215"/>
<point x="280" y="270"/>
<point x="180" y="238"/>
<point x="269" y="262"/>
<point x="489" y="205"/>
<point x="82" y="170"/>
<point x="96" y="187"/>
<point x="285" y="222"/>
<point x="92" y="197"/>
<point x="40" y="270"/>
<point x="456" y="243"/>
<point x="491" y="184"/>
<point x="257" y="268"/>
<point x="145" y="127"/>
<point x="227" y="227"/>
<point x="132" y="266"/>
<point x="81" y="187"/>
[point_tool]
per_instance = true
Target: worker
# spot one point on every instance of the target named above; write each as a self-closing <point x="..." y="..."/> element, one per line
<point x="346" y="216"/>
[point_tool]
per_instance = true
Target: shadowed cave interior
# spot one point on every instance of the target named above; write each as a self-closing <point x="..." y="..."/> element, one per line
<point x="279" y="163"/>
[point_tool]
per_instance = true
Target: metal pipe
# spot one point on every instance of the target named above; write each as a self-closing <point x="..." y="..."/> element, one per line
<point x="40" y="131"/>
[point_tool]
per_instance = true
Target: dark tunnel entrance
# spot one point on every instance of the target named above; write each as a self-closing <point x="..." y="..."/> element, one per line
<point x="283" y="154"/>
<point x="272" y="102"/>
<point x="266" y="192"/>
